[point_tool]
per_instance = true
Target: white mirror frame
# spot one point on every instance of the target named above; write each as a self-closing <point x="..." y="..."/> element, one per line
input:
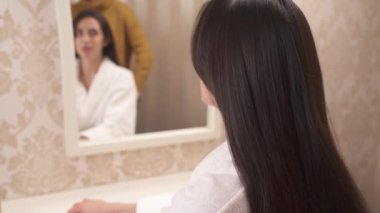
<point x="213" y="129"/>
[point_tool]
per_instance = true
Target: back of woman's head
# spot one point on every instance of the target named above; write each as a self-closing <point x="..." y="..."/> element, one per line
<point x="109" y="49"/>
<point x="259" y="60"/>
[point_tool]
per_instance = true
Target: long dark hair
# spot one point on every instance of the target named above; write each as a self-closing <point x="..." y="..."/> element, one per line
<point x="108" y="50"/>
<point x="259" y="60"/>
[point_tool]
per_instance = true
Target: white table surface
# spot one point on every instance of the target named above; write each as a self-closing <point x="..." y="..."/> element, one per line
<point x="119" y="192"/>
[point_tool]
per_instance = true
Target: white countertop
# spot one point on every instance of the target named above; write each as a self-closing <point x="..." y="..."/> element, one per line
<point x="119" y="192"/>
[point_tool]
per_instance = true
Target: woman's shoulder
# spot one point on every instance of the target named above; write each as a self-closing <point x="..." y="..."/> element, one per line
<point x="218" y="160"/>
<point x="117" y="70"/>
<point x="116" y="76"/>
<point x="213" y="187"/>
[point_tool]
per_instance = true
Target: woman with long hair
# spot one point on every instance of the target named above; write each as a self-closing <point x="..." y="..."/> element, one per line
<point x="106" y="92"/>
<point x="258" y="65"/>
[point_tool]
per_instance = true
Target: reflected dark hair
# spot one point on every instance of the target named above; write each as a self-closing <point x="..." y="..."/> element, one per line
<point x="108" y="50"/>
<point x="259" y="60"/>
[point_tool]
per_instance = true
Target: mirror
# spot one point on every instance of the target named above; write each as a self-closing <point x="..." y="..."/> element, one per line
<point x="170" y="110"/>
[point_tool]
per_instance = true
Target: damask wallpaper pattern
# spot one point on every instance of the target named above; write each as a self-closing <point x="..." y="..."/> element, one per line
<point x="32" y="157"/>
<point x="348" y="40"/>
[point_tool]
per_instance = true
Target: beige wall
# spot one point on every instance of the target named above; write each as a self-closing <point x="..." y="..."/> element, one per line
<point x="347" y="34"/>
<point x="32" y="159"/>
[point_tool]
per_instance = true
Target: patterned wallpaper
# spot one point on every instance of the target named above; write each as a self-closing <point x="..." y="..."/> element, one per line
<point x="347" y="34"/>
<point x="32" y="159"/>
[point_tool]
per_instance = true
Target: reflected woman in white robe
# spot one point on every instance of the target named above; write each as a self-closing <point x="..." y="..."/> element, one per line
<point x="106" y="92"/>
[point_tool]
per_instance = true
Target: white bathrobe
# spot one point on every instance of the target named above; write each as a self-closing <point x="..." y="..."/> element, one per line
<point x="214" y="187"/>
<point x="108" y="108"/>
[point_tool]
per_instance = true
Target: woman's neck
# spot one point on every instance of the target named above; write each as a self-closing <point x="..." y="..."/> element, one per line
<point x="90" y="66"/>
<point x="88" y="70"/>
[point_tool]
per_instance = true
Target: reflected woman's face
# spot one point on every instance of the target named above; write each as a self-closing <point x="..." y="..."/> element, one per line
<point x="89" y="39"/>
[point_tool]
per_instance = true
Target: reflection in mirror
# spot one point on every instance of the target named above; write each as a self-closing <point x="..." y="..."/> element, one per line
<point x="170" y="111"/>
<point x="169" y="98"/>
<point x="106" y="93"/>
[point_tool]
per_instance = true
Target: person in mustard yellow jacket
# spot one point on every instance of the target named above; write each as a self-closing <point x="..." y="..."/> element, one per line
<point x="127" y="33"/>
